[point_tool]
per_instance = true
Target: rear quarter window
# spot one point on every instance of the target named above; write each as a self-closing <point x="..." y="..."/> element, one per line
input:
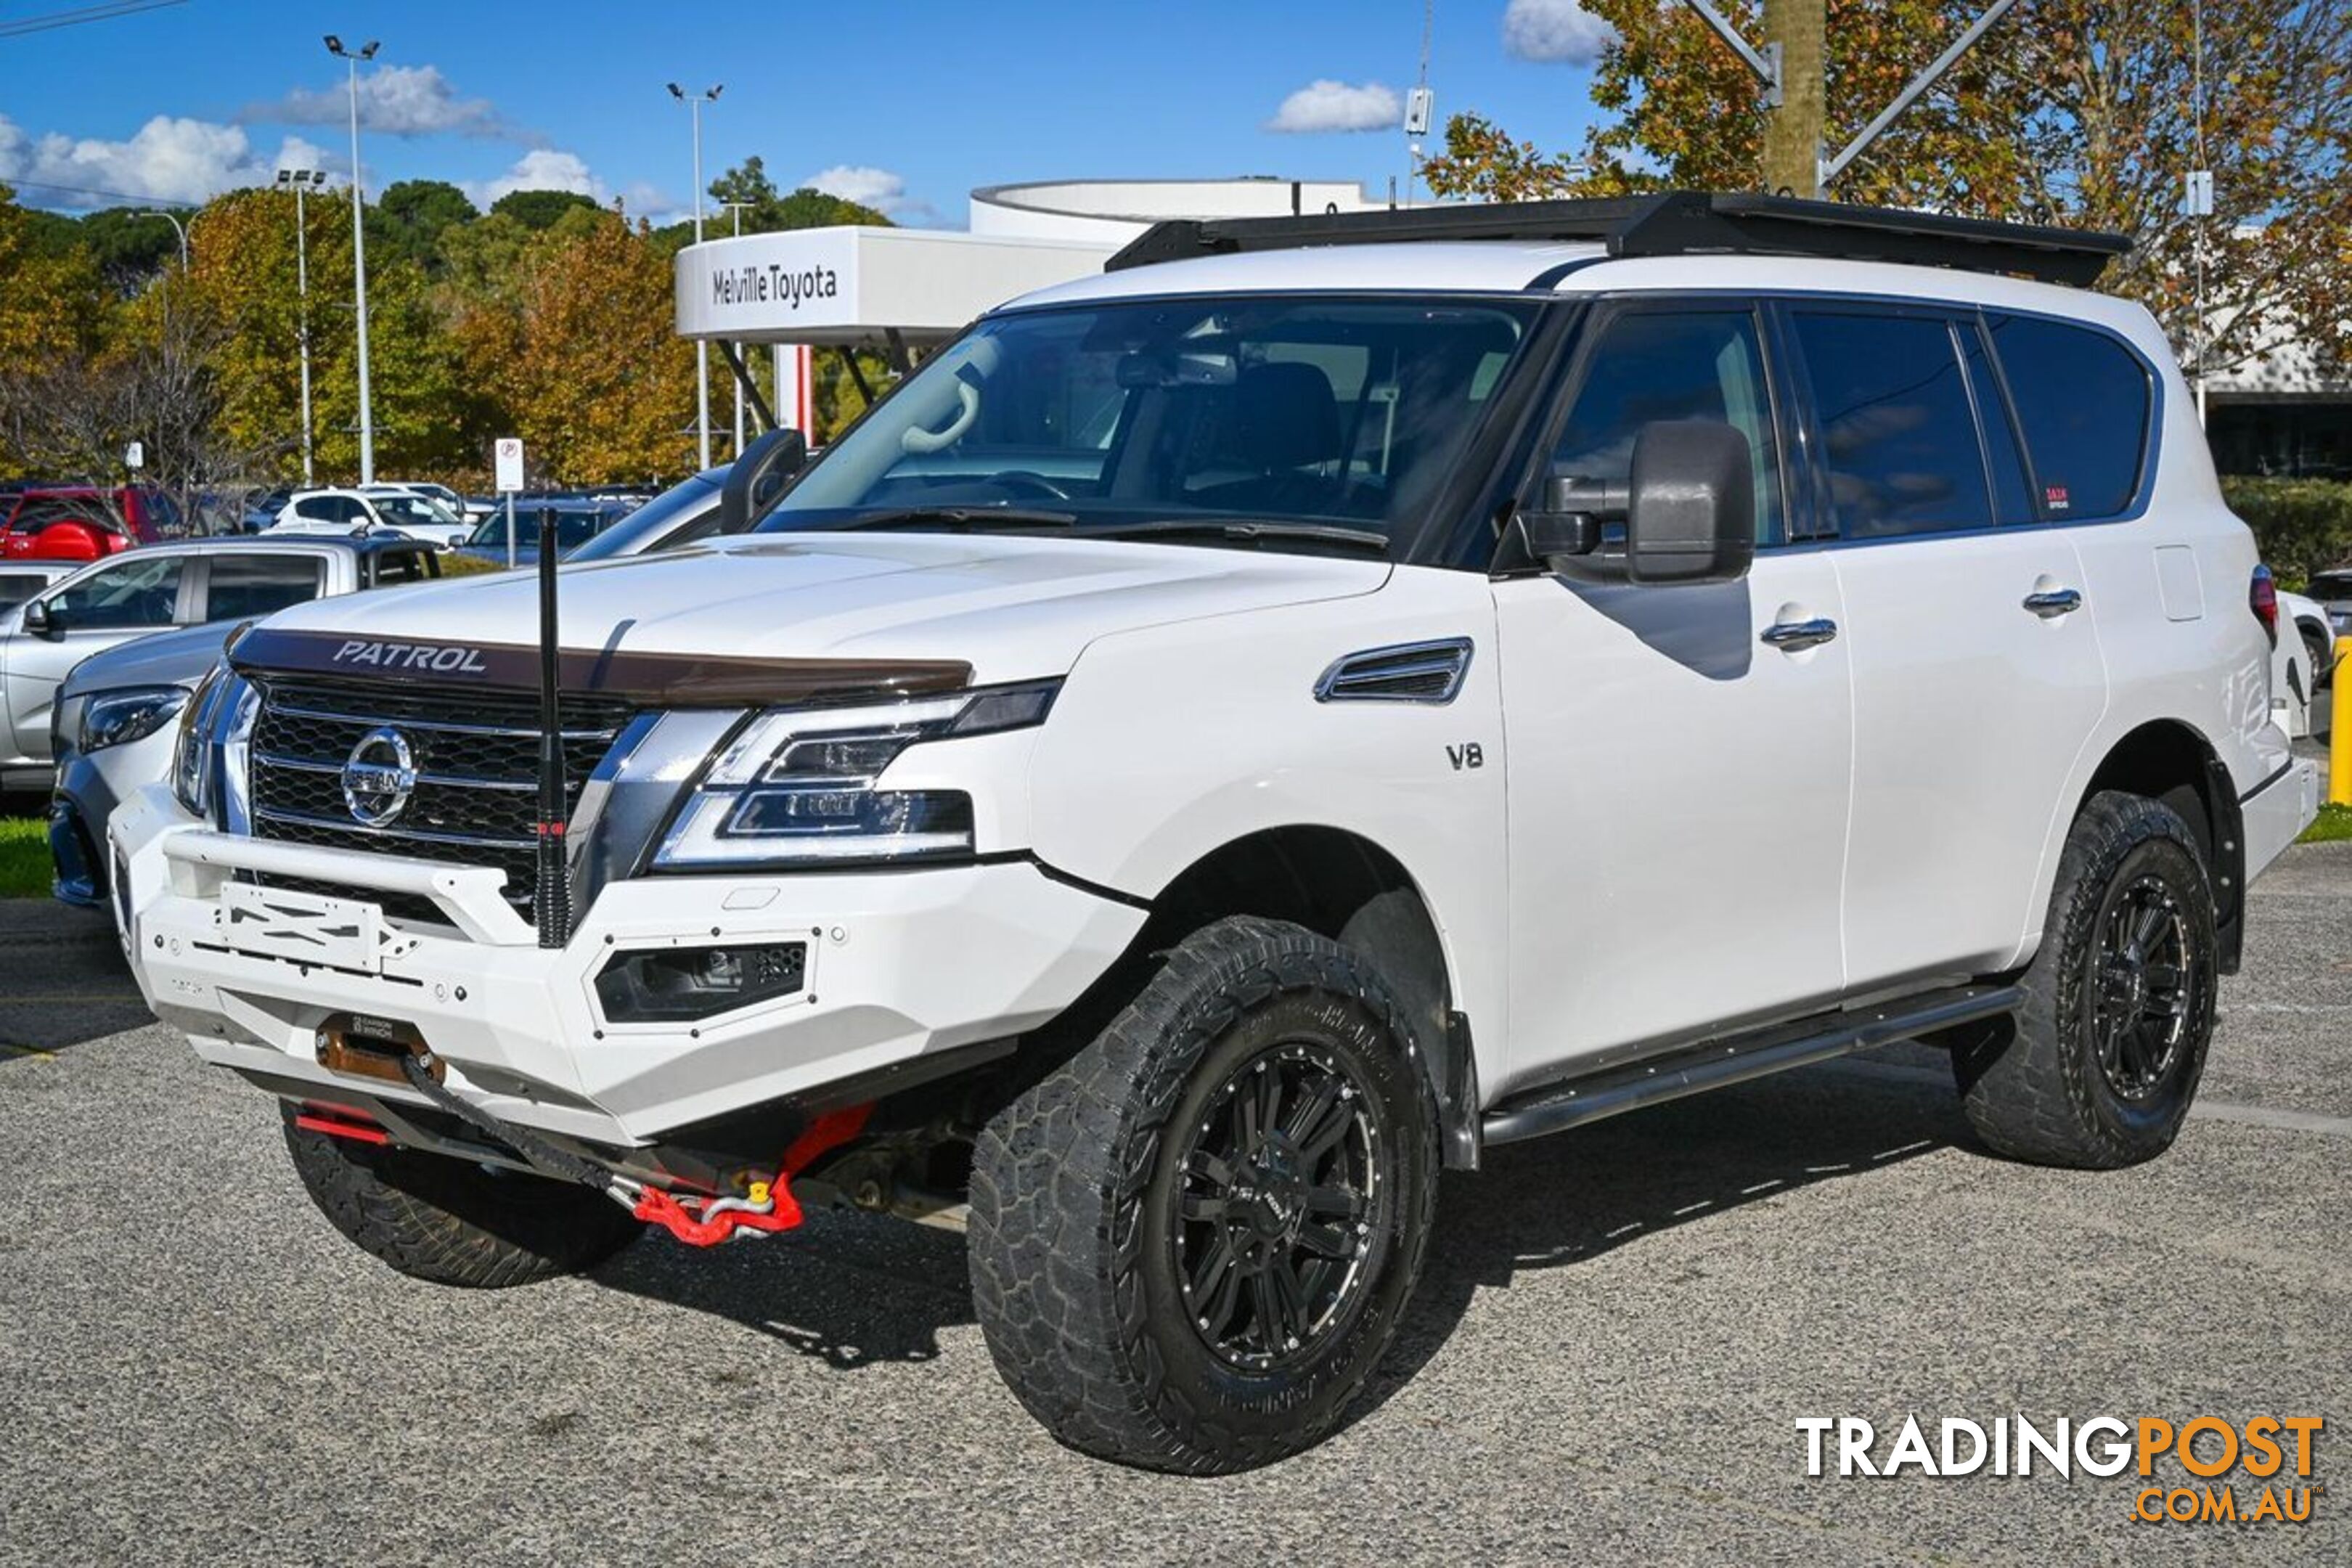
<point x="2083" y="401"/>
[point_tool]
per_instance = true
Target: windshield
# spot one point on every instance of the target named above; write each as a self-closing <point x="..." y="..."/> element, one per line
<point x="1338" y="413"/>
<point x="413" y="508"/>
<point x="690" y="508"/>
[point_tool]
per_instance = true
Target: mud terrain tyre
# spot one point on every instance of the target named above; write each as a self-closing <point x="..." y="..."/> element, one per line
<point x="2098" y="1069"/>
<point x="1191" y="1243"/>
<point x="451" y="1222"/>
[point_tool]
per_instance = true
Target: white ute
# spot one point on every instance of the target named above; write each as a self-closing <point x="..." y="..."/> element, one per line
<point x="1230" y="737"/>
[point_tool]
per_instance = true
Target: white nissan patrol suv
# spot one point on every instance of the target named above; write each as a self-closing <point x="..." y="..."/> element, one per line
<point x="1230" y="737"/>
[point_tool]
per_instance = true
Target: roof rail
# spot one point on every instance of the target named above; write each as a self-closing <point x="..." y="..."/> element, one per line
<point x="1673" y="223"/>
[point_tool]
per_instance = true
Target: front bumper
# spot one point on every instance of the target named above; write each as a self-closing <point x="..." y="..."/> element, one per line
<point x="900" y="964"/>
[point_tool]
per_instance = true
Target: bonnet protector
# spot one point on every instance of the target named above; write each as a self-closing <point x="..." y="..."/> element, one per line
<point x="654" y="679"/>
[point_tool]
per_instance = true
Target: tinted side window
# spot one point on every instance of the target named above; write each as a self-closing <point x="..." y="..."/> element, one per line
<point x="244" y="587"/>
<point x="2083" y="400"/>
<point x="1898" y="436"/>
<point x="1653" y="364"/>
<point x="2011" y="498"/>
<point x="136" y="592"/>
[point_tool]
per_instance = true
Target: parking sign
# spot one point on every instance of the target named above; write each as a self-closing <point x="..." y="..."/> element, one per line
<point x="509" y="463"/>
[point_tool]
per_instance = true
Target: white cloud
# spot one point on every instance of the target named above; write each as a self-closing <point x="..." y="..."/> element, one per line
<point x="881" y="189"/>
<point x="541" y="169"/>
<point x="166" y="160"/>
<point x="397" y="101"/>
<point x="1326" y="105"/>
<point x="1555" y="30"/>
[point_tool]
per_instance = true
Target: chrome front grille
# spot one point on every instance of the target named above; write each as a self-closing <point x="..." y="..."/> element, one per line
<point x="475" y="755"/>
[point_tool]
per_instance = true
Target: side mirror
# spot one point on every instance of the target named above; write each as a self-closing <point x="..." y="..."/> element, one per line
<point x="41" y="623"/>
<point x="1569" y="521"/>
<point x="1691" y="513"/>
<point x="757" y="478"/>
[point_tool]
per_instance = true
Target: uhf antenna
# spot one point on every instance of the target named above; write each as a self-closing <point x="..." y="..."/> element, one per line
<point x="1418" y="102"/>
<point x="550" y="896"/>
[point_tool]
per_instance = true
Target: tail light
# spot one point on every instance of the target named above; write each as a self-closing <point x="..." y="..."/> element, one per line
<point x="2262" y="598"/>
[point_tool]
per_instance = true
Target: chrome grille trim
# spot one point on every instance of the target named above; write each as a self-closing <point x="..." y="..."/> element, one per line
<point x="473" y="798"/>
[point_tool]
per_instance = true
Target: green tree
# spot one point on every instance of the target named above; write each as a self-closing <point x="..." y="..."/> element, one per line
<point x="574" y="346"/>
<point x="539" y="209"/>
<point x="411" y="215"/>
<point x="130" y="250"/>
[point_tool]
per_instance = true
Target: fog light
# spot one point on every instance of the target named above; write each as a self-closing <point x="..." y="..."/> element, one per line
<point x="676" y="983"/>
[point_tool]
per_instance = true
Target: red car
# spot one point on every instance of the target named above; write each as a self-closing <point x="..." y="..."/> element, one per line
<point x="81" y="522"/>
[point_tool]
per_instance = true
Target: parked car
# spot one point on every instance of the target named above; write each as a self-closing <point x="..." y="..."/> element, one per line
<point x="576" y="524"/>
<point x="687" y="511"/>
<point x="2298" y="658"/>
<point x="113" y="721"/>
<point x="349" y="511"/>
<point x="2332" y="591"/>
<point x="1485" y="686"/>
<point x="150" y="589"/>
<point x="458" y="506"/>
<point x="82" y="522"/>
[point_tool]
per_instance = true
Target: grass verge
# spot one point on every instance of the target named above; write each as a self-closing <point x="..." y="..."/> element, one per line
<point x="24" y="858"/>
<point x="2333" y="826"/>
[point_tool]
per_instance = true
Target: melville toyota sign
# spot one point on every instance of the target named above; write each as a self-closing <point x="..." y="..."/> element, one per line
<point x="851" y="284"/>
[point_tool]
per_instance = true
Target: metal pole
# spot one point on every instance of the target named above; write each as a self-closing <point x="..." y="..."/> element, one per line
<point x="510" y="538"/>
<point x="701" y="346"/>
<point x="359" y="283"/>
<point x="1926" y="79"/>
<point x="302" y="330"/>
<point x="1796" y="34"/>
<point x="738" y="206"/>
<point x="177" y="228"/>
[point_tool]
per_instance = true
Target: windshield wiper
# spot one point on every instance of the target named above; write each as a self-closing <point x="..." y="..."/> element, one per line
<point x="962" y="517"/>
<point x="1248" y="531"/>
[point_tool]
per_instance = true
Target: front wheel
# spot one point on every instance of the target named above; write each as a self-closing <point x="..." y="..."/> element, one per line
<point x="452" y="1222"/>
<point x="1192" y="1243"/>
<point x="2098" y="1069"/>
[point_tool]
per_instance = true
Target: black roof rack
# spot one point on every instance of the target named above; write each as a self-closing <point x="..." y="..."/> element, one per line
<point x="1674" y="223"/>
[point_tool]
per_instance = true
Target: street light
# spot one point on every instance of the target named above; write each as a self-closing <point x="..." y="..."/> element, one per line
<point x="359" y="251"/>
<point x="694" y="102"/>
<point x="302" y="179"/>
<point x="177" y="228"/>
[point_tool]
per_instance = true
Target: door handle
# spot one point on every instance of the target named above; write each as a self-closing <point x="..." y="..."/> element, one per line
<point x="2055" y="602"/>
<point x="1795" y="636"/>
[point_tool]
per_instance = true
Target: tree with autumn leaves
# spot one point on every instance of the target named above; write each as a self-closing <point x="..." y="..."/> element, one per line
<point x="548" y="318"/>
<point x="2079" y="112"/>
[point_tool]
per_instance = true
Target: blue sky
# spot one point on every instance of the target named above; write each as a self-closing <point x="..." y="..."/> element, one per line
<point x="907" y="104"/>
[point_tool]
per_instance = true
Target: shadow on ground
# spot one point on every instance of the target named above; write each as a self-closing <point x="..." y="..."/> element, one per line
<point x="65" y="982"/>
<point x="850" y="1291"/>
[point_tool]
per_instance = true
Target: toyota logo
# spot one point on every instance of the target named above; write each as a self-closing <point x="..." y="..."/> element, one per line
<point x="379" y="776"/>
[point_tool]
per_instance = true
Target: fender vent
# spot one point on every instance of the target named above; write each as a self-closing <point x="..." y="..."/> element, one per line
<point x="1408" y="672"/>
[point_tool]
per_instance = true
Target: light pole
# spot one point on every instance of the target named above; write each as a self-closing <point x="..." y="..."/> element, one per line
<point x="736" y="208"/>
<point x="302" y="179"/>
<point x="694" y="102"/>
<point x="359" y="251"/>
<point x="177" y="228"/>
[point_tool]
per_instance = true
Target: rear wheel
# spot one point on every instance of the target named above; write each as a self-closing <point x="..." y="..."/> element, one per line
<point x="1191" y="1244"/>
<point x="2099" y="1068"/>
<point x="452" y="1222"/>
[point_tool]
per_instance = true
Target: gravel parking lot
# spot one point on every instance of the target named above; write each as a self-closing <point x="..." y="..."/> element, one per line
<point x="1617" y="1333"/>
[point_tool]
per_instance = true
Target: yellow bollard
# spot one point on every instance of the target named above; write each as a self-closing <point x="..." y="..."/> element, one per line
<point x="2339" y="734"/>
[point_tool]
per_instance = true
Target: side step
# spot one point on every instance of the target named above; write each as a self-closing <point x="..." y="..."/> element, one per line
<point x="1735" y="1058"/>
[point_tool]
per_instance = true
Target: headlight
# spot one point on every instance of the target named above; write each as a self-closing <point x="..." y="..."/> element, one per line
<point x="133" y="713"/>
<point x="191" y="778"/>
<point x="797" y="784"/>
